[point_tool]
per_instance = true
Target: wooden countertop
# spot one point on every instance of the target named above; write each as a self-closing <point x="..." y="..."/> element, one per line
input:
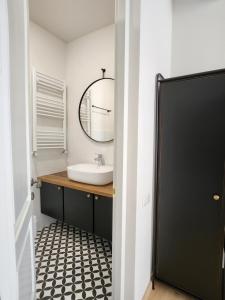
<point x="62" y="179"/>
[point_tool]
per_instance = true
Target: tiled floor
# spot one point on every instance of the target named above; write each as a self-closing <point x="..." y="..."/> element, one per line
<point x="72" y="264"/>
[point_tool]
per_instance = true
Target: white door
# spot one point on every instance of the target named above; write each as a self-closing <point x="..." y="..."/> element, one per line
<point x="17" y="280"/>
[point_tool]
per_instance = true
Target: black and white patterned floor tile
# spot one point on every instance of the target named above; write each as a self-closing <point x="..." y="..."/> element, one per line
<point x="72" y="264"/>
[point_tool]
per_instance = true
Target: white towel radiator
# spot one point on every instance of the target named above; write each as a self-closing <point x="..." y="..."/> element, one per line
<point x="49" y="105"/>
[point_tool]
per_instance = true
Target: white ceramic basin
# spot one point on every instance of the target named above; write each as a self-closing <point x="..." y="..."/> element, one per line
<point x="91" y="173"/>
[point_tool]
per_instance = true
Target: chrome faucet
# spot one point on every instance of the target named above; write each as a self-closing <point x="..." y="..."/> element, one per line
<point x="99" y="159"/>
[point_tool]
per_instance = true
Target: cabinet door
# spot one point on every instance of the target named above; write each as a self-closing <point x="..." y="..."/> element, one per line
<point x="52" y="200"/>
<point x="78" y="209"/>
<point x="191" y="156"/>
<point x="103" y="216"/>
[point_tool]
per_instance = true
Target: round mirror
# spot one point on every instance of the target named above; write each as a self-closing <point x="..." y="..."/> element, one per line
<point x="96" y="110"/>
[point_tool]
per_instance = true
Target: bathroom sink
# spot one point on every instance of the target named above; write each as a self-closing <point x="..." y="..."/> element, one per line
<point x="91" y="173"/>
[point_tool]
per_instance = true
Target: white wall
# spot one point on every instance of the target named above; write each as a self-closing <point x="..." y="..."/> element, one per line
<point x="144" y="33"/>
<point x="155" y="57"/>
<point x="198" y="36"/>
<point x="84" y="59"/>
<point x="47" y="54"/>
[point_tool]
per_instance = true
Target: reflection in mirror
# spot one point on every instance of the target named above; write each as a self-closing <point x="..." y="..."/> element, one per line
<point x="96" y="110"/>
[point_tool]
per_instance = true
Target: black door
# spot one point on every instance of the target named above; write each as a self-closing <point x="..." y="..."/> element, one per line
<point x="78" y="209"/>
<point x="103" y="216"/>
<point x="191" y="152"/>
<point x="52" y="200"/>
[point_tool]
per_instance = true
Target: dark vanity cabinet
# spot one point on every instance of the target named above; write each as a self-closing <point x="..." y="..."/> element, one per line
<point x="87" y="211"/>
<point x="103" y="216"/>
<point x="52" y="200"/>
<point x="78" y="209"/>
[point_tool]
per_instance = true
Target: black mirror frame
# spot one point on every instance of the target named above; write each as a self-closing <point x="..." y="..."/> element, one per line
<point x="109" y="78"/>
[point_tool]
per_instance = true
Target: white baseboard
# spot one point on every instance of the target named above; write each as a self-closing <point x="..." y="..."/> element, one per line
<point x="147" y="292"/>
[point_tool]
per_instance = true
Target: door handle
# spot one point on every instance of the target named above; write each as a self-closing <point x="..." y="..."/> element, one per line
<point x="32" y="198"/>
<point x="35" y="182"/>
<point x="216" y="197"/>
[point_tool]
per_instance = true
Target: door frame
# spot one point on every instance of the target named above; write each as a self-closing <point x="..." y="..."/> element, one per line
<point x="126" y="148"/>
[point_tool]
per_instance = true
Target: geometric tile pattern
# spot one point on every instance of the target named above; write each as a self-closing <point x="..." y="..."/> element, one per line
<point x="72" y="264"/>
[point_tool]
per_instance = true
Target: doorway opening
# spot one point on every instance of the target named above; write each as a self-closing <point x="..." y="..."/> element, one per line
<point x="72" y="71"/>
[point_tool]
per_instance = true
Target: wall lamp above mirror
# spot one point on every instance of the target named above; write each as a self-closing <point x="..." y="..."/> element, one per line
<point x="96" y="110"/>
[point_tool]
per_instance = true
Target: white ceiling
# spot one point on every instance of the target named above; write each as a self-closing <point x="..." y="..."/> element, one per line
<point x="70" y="19"/>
